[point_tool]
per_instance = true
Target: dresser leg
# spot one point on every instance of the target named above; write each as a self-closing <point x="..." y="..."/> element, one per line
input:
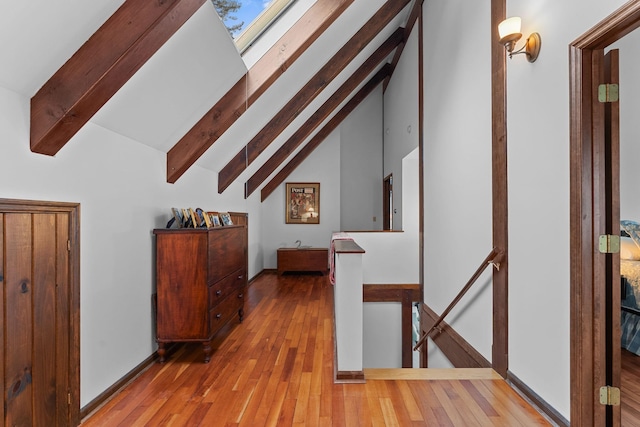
<point x="206" y="346"/>
<point x="162" y="351"/>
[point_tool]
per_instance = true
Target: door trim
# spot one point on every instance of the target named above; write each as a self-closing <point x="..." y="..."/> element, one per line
<point x="387" y="202"/>
<point x="586" y="354"/>
<point x="73" y="210"/>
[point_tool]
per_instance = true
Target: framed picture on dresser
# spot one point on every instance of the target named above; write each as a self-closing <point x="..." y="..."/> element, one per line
<point x="225" y="218"/>
<point x="215" y="219"/>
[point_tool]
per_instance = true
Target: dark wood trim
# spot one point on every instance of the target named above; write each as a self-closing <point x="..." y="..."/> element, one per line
<point x="251" y="86"/>
<point x="73" y="210"/>
<point x="421" y="127"/>
<point x="327" y="108"/>
<point x="74" y="277"/>
<point x="111" y="56"/>
<point x="350" y="376"/>
<point x="347" y="247"/>
<point x="599" y="208"/>
<point x="459" y="352"/>
<point x="387" y="202"/>
<point x="416" y="11"/>
<point x="581" y="242"/>
<point x="500" y="207"/>
<point x="323" y="133"/>
<point x="122" y="383"/>
<point x="611" y="157"/>
<point x="261" y="273"/>
<point x="541" y="405"/>
<point x="392" y="292"/>
<point x="588" y="334"/>
<point x="308" y="93"/>
<point x="406" y="316"/>
<point x="611" y="29"/>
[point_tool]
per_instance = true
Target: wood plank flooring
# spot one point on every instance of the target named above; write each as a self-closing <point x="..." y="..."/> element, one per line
<point x="276" y="369"/>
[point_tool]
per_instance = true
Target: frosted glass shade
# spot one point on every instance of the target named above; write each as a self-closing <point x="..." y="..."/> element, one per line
<point x="509" y="26"/>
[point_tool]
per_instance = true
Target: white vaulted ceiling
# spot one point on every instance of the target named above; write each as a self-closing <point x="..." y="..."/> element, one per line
<point x="184" y="79"/>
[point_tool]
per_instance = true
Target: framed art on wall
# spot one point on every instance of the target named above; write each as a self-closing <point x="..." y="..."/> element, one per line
<point x="302" y="203"/>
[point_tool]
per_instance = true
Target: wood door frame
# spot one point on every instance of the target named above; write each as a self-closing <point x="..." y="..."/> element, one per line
<point x="587" y="358"/>
<point x="73" y="210"/>
<point x="499" y="194"/>
<point x="387" y="202"/>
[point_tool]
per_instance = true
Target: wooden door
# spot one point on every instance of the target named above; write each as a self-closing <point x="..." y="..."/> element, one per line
<point x="590" y="214"/>
<point x="38" y="271"/>
<point x="609" y="268"/>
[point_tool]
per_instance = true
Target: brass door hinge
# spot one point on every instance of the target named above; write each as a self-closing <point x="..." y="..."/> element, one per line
<point x="610" y="396"/>
<point x="608" y="92"/>
<point x="609" y="244"/>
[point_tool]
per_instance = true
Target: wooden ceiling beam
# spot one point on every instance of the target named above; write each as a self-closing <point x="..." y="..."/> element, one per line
<point x="251" y="86"/>
<point x="411" y="21"/>
<point x="106" y="61"/>
<point x="308" y="93"/>
<point x="325" y="131"/>
<point x="323" y="112"/>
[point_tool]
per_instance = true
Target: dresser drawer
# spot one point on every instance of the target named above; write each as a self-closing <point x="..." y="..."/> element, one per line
<point x="227" y="252"/>
<point x="219" y="290"/>
<point x="226" y="310"/>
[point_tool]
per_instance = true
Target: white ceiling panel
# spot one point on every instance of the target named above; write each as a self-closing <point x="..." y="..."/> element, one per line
<point x="178" y="85"/>
<point x="38" y="36"/>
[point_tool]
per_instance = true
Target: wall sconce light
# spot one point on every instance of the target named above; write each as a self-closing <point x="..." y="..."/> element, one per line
<point x="509" y="31"/>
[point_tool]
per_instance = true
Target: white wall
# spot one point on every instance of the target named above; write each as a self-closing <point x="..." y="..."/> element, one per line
<point x="457" y="173"/>
<point x="538" y="155"/>
<point x="361" y="166"/>
<point x="121" y="186"/>
<point x="401" y="120"/>
<point x="390" y="258"/>
<point x="457" y="164"/>
<point x="348" y="161"/>
<point x="321" y="166"/>
<point x="629" y="126"/>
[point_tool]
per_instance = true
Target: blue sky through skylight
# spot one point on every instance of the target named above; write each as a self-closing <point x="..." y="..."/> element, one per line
<point x="249" y="11"/>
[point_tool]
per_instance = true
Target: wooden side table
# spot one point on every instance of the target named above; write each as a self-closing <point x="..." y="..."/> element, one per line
<point x="303" y="259"/>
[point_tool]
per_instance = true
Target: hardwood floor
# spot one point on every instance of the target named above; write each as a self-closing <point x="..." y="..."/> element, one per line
<point x="276" y="369"/>
<point x="630" y="390"/>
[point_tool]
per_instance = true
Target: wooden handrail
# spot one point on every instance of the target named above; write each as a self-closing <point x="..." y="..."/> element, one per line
<point x="490" y="259"/>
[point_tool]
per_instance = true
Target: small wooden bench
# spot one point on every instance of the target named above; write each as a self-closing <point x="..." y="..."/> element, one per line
<point x="303" y="259"/>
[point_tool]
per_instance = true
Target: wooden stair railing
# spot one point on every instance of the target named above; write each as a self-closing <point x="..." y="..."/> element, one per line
<point x="492" y="258"/>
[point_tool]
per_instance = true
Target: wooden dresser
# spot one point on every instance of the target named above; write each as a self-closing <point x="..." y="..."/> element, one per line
<point x="201" y="277"/>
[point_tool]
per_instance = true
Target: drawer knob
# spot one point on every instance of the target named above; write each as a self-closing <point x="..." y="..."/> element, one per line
<point x="218" y="293"/>
<point x="240" y="295"/>
<point x="240" y="277"/>
<point x="218" y="316"/>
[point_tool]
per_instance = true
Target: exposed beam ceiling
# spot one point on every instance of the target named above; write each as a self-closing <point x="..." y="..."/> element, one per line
<point x="258" y="79"/>
<point x="308" y="93"/>
<point x="138" y="29"/>
<point x="110" y="57"/>
<point x="384" y="72"/>
<point x="324" y="112"/>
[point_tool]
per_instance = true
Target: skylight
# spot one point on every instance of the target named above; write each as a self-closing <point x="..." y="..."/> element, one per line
<point x="246" y="20"/>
